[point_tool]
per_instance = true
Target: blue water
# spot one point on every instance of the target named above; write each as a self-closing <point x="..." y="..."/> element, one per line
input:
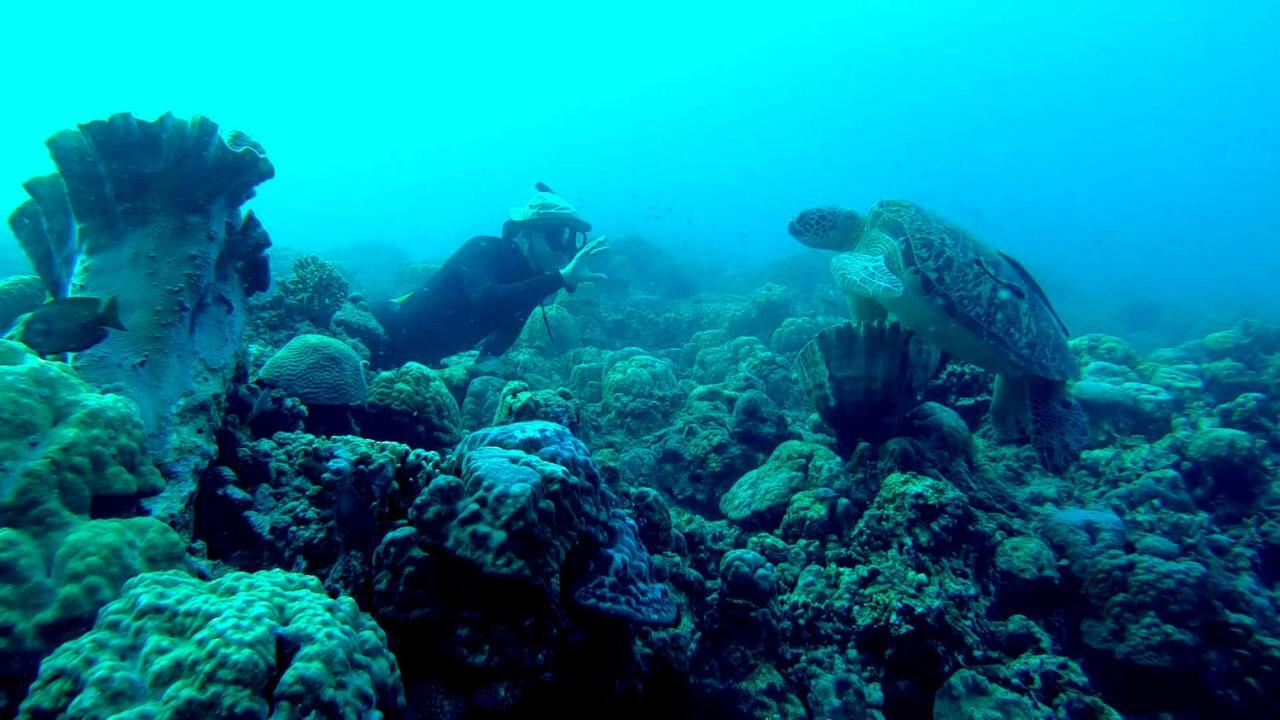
<point x="1127" y="152"/>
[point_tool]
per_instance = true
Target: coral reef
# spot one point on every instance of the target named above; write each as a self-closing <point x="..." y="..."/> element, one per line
<point x="680" y="502"/>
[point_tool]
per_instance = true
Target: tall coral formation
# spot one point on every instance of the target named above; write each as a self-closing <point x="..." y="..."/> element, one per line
<point x="149" y="213"/>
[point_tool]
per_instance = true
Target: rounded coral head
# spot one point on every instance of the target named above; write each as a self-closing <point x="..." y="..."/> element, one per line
<point x="826" y="228"/>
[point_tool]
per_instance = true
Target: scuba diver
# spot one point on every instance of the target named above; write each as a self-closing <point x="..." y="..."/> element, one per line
<point x="484" y="293"/>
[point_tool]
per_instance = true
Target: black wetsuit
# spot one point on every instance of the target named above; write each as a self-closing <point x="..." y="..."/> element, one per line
<point x="482" y="295"/>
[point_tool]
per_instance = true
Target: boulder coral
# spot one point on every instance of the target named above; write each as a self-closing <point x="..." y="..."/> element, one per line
<point x="412" y="405"/>
<point x="268" y="644"/>
<point x="73" y="470"/>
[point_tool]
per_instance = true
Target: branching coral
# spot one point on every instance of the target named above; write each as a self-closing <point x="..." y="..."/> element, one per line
<point x="316" y="289"/>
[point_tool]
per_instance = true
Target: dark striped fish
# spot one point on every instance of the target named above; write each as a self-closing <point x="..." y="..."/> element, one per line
<point x="69" y="324"/>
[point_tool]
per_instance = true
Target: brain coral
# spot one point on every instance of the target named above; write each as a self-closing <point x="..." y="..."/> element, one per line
<point x="318" y="370"/>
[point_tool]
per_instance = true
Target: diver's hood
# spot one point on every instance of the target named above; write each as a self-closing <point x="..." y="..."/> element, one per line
<point x="548" y="208"/>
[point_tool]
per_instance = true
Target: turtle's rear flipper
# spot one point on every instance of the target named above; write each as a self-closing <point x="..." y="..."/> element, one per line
<point x="865" y="275"/>
<point x="1059" y="427"/>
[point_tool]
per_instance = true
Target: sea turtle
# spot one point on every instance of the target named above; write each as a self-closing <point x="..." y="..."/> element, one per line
<point x="977" y="303"/>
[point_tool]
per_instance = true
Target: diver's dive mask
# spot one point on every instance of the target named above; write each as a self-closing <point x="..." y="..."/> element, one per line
<point x="564" y="239"/>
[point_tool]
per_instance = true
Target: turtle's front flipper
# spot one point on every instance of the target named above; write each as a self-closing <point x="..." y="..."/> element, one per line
<point x="865" y="275"/>
<point x="1059" y="427"/>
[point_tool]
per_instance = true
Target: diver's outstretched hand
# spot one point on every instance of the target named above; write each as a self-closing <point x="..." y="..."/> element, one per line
<point x="577" y="271"/>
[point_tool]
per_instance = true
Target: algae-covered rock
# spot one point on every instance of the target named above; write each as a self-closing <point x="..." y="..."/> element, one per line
<point x="519" y="498"/>
<point x="480" y="405"/>
<point x="746" y="575"/>
<point x="757" y="421"/>
<point x="932" y="512"/>
<point x="1031" y="687"/>
<point x="1082" y="535"/>
<point x="1248" y="341"/>
<point x="816" y="514"/>
<point x="1126" y="408"/>
<point x="1183" y="382"/>
<point x="1096" y="347"/>
<point x="763" y="312"/>
<point x="640" y="394"/>
<point x="969" y="696"/>
<point x="942" y="432"/>
<point x="1226" y="463"/>
<point x="761" y="496"/>
<point x="1225" y="379"/>
<point x="1147" y="611"/>
<point x="519" y="403"/>
<point x="1026" y="572"/>
<point x="796" y="332"/>
<point x="1251" y="412"/>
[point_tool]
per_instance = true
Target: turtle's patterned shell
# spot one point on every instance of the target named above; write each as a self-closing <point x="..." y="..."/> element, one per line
<point x="987" y="292"/>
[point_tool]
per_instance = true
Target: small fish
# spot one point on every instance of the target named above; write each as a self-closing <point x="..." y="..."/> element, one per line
<point x="70" y="324"/>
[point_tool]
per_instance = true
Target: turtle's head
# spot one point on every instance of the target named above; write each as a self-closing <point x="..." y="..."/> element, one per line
<point x="826" y="228"/>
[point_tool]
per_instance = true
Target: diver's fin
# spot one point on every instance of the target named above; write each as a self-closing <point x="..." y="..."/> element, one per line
<point x="865" y="275"/>
<point x="110" y="315"/>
